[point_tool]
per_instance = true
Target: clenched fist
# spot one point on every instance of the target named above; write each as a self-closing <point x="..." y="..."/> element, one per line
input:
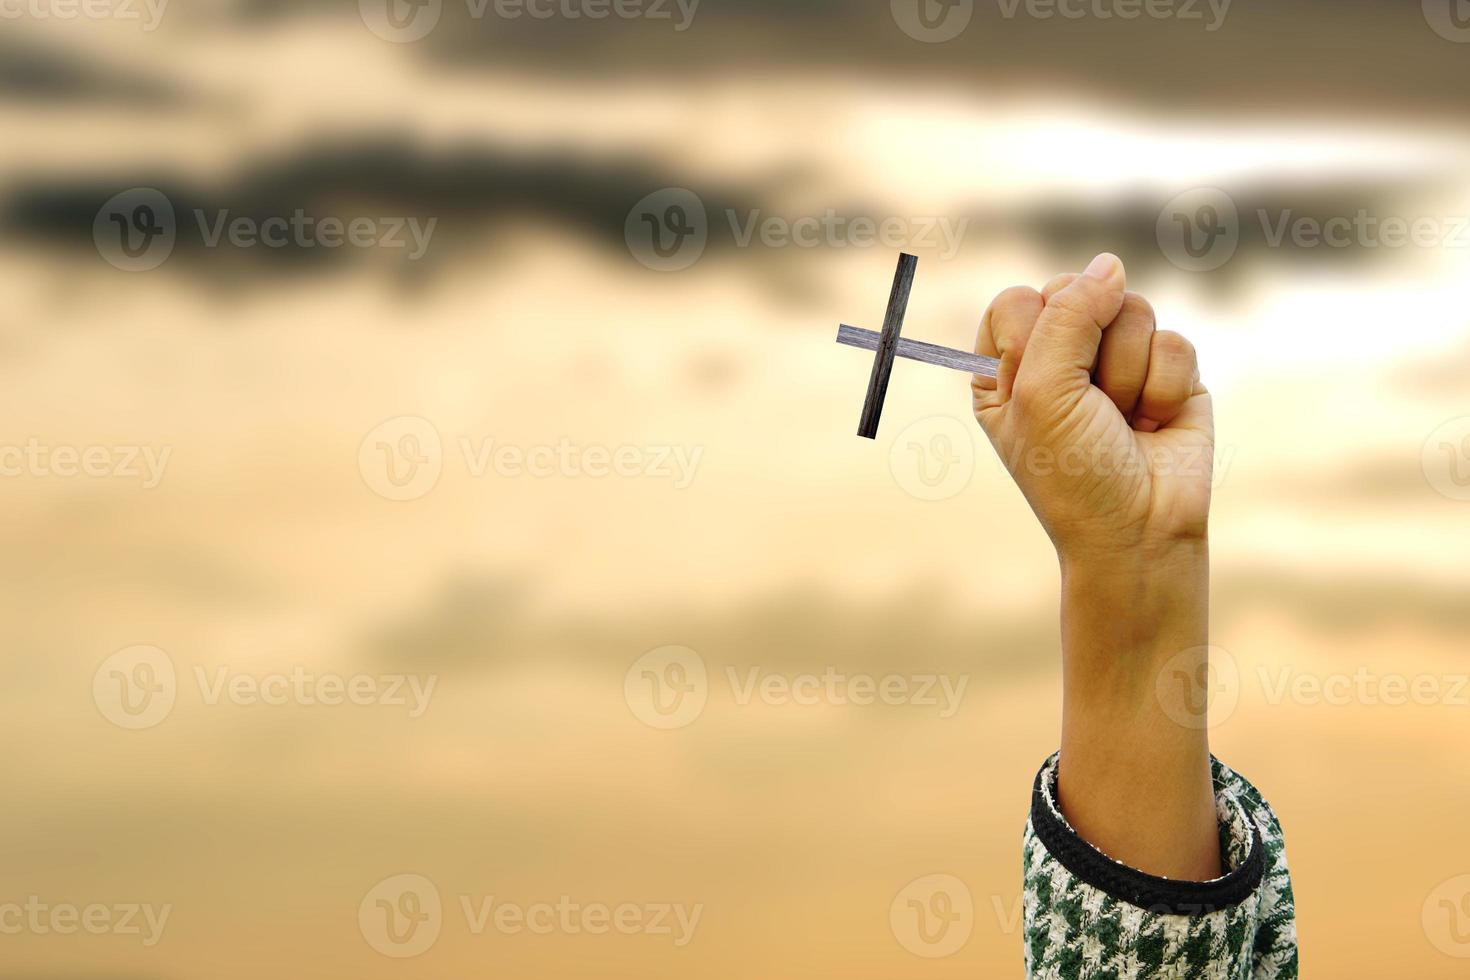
<point x="1100" y="417"/>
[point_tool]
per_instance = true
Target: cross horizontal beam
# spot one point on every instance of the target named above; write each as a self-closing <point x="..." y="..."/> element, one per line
<point x="917" y="350"/>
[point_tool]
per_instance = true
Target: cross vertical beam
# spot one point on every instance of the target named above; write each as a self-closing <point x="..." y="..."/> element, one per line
<point x="898" y="301"/>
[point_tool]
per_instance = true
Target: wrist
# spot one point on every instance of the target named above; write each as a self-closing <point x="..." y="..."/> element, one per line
<point x="1124" y="618"/>
<point x="1130" y="557"/>
<point x="1146" y="596"/>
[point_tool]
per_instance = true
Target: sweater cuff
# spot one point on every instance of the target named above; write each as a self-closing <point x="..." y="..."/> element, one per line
<point x="1242" y="852"/>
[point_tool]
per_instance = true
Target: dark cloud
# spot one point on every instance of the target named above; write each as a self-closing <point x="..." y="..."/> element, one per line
<point x="31" y="72"/>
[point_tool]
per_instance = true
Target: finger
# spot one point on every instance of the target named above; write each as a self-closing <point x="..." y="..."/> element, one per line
<point x="1063" y="346"/>
<point x="1058" y="284"/>
<point x="1004" y="331"/>
<point x="1197" y="414"/>
<point x="1122" y="357"/>
<point x="1172" y="375"/>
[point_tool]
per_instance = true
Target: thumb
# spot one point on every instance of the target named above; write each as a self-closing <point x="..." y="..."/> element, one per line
<point x="1063" y="346"/>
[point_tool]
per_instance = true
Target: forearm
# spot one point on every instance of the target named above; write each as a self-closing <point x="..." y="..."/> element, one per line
<point x="1134" y="776"/>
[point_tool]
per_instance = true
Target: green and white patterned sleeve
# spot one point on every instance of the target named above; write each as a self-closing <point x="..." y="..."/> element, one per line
<point x="1087" y="917"/>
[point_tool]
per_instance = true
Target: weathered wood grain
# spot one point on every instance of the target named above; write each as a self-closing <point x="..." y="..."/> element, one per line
<point x="898" y="302"/>
<point x="917" y="350"/>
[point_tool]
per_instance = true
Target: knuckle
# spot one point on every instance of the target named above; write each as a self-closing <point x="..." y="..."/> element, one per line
<point x="1136" y="308"/>
<point x="1173" y="346"/>
<point x="1075" y="302"/>
<point x="1018" y="299"/>
<point x="1058" y="283"/>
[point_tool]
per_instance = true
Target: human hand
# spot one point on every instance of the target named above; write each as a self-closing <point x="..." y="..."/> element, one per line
<point x="1100" y="418"/>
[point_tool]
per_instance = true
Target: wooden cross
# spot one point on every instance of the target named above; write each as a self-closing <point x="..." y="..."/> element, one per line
<point x="889" y="345"/>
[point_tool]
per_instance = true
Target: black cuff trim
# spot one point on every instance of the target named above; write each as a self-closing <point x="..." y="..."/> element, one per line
<point x="1153" y="894"/>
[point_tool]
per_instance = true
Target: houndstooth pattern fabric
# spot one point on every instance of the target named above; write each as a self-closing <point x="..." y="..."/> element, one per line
<point x="1077" y="930"/>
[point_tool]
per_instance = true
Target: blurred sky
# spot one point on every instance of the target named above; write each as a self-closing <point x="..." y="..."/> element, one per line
<point x="371" y="463"/>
